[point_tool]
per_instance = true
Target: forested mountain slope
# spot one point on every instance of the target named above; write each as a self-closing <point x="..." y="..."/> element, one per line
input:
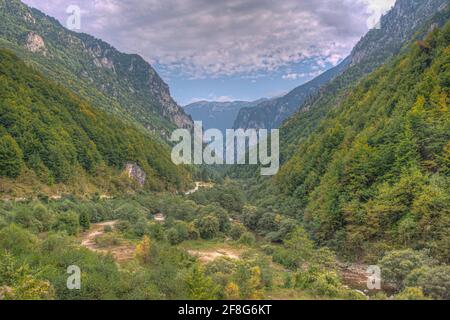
<point x="375" y="174"/>
<point x="406" y="21"/>
<point x="270" y="114"/>
<point x="375" y="48"/>
<point x="117" y="82"/>
<point x="49" y="134"/>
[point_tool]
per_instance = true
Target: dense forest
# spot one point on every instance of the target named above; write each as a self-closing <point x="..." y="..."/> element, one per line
<point x="375" y="173"/>
<point x="50" y="135"/>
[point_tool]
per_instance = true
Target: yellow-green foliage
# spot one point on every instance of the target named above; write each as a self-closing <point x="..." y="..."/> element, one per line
<point x="377" y="169"/>
<point x="57" y="134"/>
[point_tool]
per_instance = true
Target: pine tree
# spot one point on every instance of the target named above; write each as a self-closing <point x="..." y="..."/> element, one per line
<point x="85" y="221"/>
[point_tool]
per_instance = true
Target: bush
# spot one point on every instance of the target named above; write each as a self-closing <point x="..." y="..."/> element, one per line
<point x="130" y="212"/>
<point x="397" y="265"/>
<point x="16" y="240"/>
<point x="123" y="226"/>
<point x="26" y="219"/>
<point x="286" y="258"/>
<point x="324" y="283"/>
<point x="411" y="294"/>
<point x="208" y="227"/>
<point x="237" y="230"/>
<point x="250" y="217"/>
<point x="3" y="222"/>
<point x="156" y="231"/>
<point x="108" y="240"/>
<point x="220" y="213"/>
<point x="434" y="281"/>
<point x="173" y="236"/>
<point x="44" y="216"/>
<point x="140" y="228"/>
<point x="287" y="280"/>
<point x="247" y="238"/>
<point x="68" y="222"/>
<point x="84" y="221"/>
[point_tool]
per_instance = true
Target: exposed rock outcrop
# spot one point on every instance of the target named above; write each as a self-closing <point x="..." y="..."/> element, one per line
<point x="136" y="173"/>
<point x="35" y="43"/>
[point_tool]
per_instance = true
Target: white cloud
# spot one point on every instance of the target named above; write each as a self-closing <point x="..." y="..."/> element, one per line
<point x="376" y="8"/>
<point x="205" y="38"/>
<point x="213" y="97"/>
<point x="295" y="76"/>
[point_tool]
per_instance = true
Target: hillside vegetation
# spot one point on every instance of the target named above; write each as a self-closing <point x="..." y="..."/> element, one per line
<point x="124" y="84"/>
<point x="51" y="134"/>
<point x="375" y="174"/>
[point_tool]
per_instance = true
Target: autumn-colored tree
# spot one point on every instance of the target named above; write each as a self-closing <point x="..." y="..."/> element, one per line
<point x="232" y="291"/>
<point x="17" y="281"/>
<point x="142" y="251"/>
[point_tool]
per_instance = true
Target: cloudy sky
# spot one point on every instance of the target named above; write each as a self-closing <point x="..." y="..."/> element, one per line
<point x="228" y="49"/>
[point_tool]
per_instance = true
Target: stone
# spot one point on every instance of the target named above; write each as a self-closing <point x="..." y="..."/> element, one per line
<point x="35" y="43"/>
<point x="136" y="173"/>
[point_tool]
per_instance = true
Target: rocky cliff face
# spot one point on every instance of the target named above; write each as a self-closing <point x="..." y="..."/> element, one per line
<point x="141" y="80"/>
<point x="121" y="83"/>
<point x="134" y="172"/>
<point x="397" y="27"/>
<point x="34" y="43"/>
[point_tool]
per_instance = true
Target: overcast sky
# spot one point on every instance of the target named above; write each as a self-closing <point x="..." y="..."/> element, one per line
<point x="228" y="49"/>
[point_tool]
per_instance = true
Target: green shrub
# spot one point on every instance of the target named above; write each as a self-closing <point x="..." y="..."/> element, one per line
<point x="108" y="240"/>
<point x="84" y="221"/>
<point x="208" y="227"/>
<point x="411" y="293"/>
<point x="247" y="239"/>
<point x="397" y="265"/>
<point x="237" y="230"/>
<point x="323" y="283"/>
<point x="17" y="240"/>
<point x="434" y="281"/>
<point x="44" y="216"/>
<point x="68" y="222"/>
<point x="173" y="236"/>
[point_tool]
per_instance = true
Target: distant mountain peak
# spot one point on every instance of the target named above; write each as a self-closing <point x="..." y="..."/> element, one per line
<point x="375" y="48"/>
<point x="117" y="82"/>
<point x="218" y="115"/>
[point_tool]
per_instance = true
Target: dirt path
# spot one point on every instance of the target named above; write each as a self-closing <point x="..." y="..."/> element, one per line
<point x="355" y="275"/>
<point x="206" y="256"/>
<point x="198" y="185"/>
<point x="121" y="253"/>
